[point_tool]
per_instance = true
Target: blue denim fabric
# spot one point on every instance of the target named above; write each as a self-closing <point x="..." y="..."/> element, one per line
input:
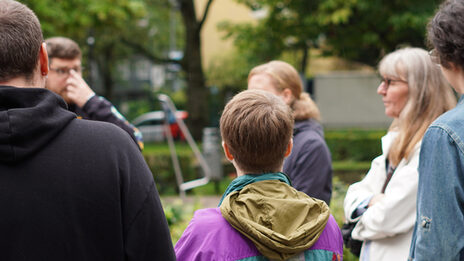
<point x="439" y="229"/>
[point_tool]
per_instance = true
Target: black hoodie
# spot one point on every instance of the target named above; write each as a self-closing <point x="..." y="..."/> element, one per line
<point x="73" y="189"/>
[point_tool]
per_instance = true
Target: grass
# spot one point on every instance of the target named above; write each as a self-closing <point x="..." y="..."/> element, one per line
<point x="339" y="189"/>
<point x="178" y="215"/>
<point x="163" y="148"/>
<point x="212" y="188"/>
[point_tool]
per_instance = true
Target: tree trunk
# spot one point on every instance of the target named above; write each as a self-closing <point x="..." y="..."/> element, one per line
<point x="197" y="93"/>
<point x="105" y="69"/>
<point x="304" y="60"/>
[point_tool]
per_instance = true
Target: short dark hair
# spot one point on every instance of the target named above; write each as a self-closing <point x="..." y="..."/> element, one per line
<point x="20" y="41"/>
<point x="446" y="33"/>
<point x="62" y="47"/>
<point x="257" y="127"/>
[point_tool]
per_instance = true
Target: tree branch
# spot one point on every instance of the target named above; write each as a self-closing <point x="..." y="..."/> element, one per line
<point x="142" y="50"/>
<point x="205" y="14"/>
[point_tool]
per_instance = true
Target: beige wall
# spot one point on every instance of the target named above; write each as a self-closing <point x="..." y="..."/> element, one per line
<point x="220" y="10"/>
<point x="350" y="99"/>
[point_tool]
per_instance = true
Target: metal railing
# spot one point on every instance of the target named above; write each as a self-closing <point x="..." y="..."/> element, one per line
<point x="169" y="108"/>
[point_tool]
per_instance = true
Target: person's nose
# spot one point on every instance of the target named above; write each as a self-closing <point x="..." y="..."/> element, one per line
<point x="68" y="74"/>
<point x="382" y="90"/>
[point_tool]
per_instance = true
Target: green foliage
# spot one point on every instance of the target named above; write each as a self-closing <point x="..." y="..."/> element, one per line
<point x="178" y="215"/>
<point x="159" y="160"/>
<point x="351" y="165"/>
<point x="336" y="208"/>
<point x="354" y="145"/>
<point x="377" y="27"/>
<point x="74" y="18"/>
<point x="359" y="30"/>
<point x="182" y="148"/>
<point x="115" y="25"/>
<point x="228" y="75"/>
<point x="213" y="188"/>
<point x="289" y="25"/>
<point x="229" y="72"/>
<point x="137" y="108"/>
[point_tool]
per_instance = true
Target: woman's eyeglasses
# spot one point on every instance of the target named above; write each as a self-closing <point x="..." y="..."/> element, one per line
<point x="388" y="81"/>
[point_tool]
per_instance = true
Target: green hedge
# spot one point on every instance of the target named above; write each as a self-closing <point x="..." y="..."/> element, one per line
<point x="163" y="172"/>
<point x="354" y="145"/>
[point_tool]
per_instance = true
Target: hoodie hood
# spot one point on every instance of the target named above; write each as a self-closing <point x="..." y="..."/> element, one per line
<point x="278" y="219"/>
<point x="29" y="119"/>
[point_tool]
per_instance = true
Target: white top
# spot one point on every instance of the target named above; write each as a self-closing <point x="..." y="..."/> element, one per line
<point x="386" y="226"/>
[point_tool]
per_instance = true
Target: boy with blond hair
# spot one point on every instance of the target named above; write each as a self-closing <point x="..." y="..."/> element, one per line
<point x="260" y="216"/>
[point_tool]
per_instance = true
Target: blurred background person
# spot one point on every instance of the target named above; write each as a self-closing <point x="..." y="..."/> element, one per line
<point x="439" y="231"/>
<point x="65" y="79"/>
<point x="309" y="166"/>
<point x="414" y="94"/>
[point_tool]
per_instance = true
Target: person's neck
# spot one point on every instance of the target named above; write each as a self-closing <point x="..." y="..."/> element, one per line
<point x="22" y="82"/>
<point x="455" y="77"/>
<point x="240" y="172"/>
<point x="460" y="86"/>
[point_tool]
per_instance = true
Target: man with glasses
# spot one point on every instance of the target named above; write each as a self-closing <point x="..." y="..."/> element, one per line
<point x="65" y="79"/>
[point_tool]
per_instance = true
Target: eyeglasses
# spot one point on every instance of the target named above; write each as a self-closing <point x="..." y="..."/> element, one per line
<point x="62" y="71"/>
<point x="388" y="81"/>
<point x="434" y="56"/>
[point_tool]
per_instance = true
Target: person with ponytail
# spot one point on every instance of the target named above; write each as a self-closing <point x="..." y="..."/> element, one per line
<point x="310" y="165"/>
<point x="383" y="204"/>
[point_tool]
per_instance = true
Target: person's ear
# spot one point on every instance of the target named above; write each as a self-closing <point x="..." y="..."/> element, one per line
<point x="43" y="59"/>
<point x="289" y="148"/>
<point x="229" y="156"/>
<point x="287" y="95"/>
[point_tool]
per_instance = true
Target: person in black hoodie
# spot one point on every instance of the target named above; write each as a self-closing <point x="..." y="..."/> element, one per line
<point x="70" y="189"/>
<point x="65" y="79"/>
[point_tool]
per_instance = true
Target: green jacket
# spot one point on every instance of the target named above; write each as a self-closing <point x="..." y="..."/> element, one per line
<point x="278" y="219"/>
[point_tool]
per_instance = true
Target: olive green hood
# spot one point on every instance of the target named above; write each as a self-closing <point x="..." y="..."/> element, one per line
<point x="278" y="219"/>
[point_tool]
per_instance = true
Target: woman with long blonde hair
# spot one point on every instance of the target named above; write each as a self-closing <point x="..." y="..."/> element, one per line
<point x="414" y="94"/>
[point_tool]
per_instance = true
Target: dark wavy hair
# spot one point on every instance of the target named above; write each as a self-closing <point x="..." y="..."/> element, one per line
<point x="446" y="33"/>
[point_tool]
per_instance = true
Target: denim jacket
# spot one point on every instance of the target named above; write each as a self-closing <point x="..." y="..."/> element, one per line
<point x="439" y="229"/>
